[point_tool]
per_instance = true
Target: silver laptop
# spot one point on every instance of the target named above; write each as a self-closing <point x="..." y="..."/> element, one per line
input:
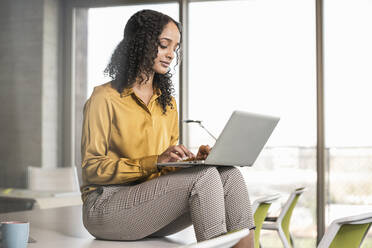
<point x="240" y="142"/>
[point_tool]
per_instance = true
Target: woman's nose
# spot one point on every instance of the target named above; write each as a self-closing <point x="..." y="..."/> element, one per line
<point x="170" y="55"/>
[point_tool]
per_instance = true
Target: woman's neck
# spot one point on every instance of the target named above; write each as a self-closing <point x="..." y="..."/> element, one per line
<point x="145" y="85"/>
<point x="144" y="90"/>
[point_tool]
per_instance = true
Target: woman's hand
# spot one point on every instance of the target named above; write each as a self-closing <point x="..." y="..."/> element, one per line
<point x="174" y="154"/>
<point x="203" y="152"/>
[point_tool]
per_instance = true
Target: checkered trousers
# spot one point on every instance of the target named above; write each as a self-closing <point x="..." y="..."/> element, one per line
<point x="214" y="199"/>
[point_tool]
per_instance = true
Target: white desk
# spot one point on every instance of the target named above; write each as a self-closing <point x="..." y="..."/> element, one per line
<point x="63" y="227"/>
<point x="43" y="199"/>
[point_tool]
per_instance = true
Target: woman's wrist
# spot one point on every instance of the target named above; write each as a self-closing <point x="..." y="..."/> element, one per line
<point x="158" y="160"/>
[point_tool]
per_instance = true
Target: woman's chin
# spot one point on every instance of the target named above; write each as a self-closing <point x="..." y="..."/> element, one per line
<point x="161" y="70"/>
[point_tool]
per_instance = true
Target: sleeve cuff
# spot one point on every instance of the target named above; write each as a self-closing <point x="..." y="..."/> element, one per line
<point x="148" y="164"/>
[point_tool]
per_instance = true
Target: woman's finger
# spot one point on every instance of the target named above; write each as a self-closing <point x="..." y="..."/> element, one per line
<point x="204" y="149"/>
<point x="203" y="152"/>
<point x="180" y="151"/>
<point x="198" y="155"/>
<point x="187" y="152"/>
<point x="174" y="156"/>
<point x="208" y="148"/>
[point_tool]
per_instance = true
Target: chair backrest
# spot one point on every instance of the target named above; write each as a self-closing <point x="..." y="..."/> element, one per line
<point x="347" y="232"/>
<point x="260" y="208"/>
<point x="54" y="179"/>
<point x="286" y="213"/>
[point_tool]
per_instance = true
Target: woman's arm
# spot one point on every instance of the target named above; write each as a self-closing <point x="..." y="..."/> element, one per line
<point x="97" y="167"/>
<point x="174" y="152"/>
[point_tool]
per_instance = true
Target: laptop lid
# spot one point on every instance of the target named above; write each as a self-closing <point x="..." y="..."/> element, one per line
<point x="242" y="139"/>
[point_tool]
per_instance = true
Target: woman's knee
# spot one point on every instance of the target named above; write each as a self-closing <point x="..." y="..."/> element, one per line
<point x="231" y="173"/>
<point x="209" y="171"/>
<point x="232" y="176"/>
<point x="201" y="170"/>
<point x="206" y="175"/>
<point x="222" y="173"/>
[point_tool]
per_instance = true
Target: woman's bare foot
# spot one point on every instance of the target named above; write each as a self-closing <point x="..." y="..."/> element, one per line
<point x="247" y="241"/>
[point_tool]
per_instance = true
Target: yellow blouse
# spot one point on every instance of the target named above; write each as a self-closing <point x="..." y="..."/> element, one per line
<point x="122" y="137"/>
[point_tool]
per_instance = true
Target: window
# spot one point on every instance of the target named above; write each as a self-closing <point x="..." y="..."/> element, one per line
<point x="348" y="101"/>
<point x="259" y="56"/>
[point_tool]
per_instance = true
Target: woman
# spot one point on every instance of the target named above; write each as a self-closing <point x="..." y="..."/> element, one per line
<point x="130" y="125"/>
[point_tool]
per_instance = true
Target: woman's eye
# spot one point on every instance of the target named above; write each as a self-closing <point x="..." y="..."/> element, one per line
<point x="161" y="46"/>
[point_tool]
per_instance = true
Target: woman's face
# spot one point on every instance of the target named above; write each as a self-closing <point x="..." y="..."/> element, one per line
<point x="169" y="40"/>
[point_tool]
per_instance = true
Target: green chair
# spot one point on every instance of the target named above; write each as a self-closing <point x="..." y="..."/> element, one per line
<point x="281" y="223"/>
<point x="260" y="208"/>
<point x="347" y="232"/>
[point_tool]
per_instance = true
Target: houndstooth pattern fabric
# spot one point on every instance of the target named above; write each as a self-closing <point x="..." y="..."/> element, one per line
<point x="214" y="199"/>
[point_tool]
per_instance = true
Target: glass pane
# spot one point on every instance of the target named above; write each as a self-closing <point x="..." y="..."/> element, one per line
<point x="348" y="101"/>
<point x="105" y="31"/>
<point x="259" y="56"/>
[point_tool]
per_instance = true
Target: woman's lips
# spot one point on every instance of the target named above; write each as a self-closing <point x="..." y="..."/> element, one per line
<point x="164" y="64"/>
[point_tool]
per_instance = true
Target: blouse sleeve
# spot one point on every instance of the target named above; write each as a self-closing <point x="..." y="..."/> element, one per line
<point x="97" y="167"/>
<point x="174" y="137"/>
<point x="175" y="129"/>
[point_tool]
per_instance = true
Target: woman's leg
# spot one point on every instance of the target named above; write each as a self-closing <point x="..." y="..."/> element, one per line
<point x="134" y="212"/>
<point x="237" y="204"/>
<point x="175" y="226"/>
<point x="238" y="207"/>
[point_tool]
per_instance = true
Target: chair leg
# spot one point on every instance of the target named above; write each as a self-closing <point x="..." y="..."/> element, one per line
<point x="291" y="239"/>
<point x="283" y="238"/>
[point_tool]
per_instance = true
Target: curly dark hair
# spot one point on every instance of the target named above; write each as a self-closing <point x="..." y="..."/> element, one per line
<point x="135" y="55"/>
